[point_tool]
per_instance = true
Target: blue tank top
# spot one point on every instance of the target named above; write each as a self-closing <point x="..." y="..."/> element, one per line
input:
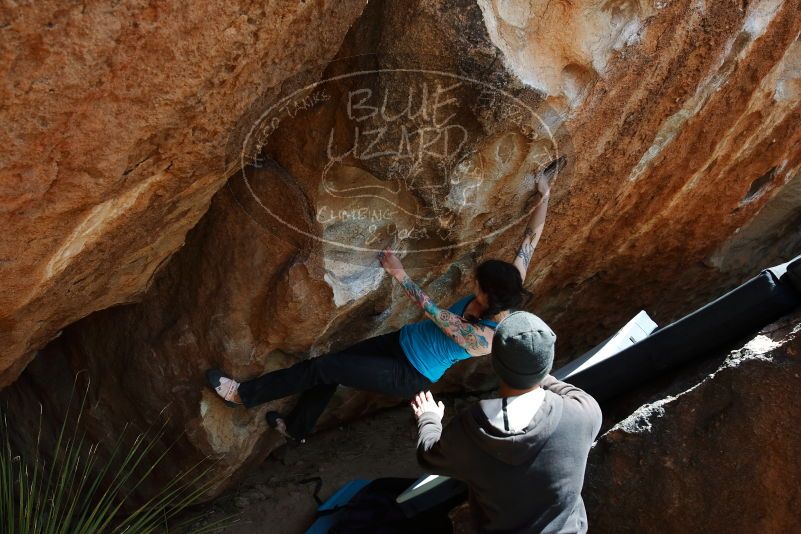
<point x="429" y="349"/>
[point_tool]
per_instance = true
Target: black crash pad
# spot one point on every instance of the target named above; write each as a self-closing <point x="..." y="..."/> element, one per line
<point x="739" y="313"/>
<point x="793" y="273"/>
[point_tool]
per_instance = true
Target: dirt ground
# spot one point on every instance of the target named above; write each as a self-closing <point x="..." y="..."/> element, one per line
<point x="274" y="500"/>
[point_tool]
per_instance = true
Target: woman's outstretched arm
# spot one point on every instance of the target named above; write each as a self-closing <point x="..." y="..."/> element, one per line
<point x="474" y="338"/>
<point x="534" y="229"/>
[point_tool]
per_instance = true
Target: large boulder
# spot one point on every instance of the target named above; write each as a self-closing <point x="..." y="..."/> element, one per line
<point x="679" y="124"/>
<point x="717" y="456"/>
<point x="115" y="120"/>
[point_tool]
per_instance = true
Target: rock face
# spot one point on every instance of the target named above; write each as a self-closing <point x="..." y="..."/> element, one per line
<point x="720" y="456"/>
<point x="115" y="119"/>
<point x="679" y="124"/>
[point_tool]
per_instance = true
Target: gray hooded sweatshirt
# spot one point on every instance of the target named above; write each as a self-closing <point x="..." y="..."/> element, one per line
<point x="519" y="481"/>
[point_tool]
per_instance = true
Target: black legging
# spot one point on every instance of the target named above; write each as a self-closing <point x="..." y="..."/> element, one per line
<point x="377" y="364"/>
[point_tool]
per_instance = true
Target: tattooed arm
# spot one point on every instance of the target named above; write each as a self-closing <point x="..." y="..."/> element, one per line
<point x="533" y="230"/>
<point x="476" y="339"/>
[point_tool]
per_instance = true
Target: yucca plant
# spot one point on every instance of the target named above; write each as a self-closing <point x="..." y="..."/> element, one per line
<point x="79" y="492"/>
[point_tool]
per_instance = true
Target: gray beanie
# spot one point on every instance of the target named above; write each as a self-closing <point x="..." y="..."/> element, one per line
<point x="523" y="350"/>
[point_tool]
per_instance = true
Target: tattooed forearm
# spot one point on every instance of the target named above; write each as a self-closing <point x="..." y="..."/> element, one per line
<point x="531" y="238"/>
<point x="474" y="338"/>
<point x="525" y="252"/>
<point x="415" y="293"/>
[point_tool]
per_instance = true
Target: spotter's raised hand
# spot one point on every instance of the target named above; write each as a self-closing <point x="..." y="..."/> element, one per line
<point x="424" y="402"/>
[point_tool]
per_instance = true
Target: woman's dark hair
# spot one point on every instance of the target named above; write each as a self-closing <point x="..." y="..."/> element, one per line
<point x="502" y="283"/>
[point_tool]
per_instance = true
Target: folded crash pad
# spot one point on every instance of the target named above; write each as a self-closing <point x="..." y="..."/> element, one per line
<point x="739" y="313"/>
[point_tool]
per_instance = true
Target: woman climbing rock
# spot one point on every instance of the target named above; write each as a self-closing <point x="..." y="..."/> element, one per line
<point x="403" y="362"/>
